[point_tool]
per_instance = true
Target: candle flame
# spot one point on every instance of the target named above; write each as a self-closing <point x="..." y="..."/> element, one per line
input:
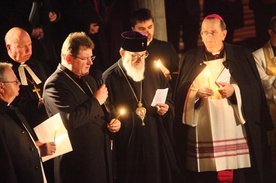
<point x="158" y="63"/>
<point x="122" y="111"/>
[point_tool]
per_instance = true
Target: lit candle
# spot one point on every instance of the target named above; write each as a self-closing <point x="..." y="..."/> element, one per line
<point x="56" y="127"/>
<point x="207" y="74"/>
<point x="165" y="71"/>
<point x="121" y="112"/>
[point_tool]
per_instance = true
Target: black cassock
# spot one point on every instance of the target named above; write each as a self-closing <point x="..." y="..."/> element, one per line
<point x="83" y="117"/>
<point x="143" y="153"/>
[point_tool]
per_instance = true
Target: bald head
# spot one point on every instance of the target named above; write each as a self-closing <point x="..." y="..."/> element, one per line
<point x="18" y="44"/>
<point x="15" y="34"/>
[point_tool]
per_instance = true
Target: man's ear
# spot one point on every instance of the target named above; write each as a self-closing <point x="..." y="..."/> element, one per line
<point x="224" y="34"/>
<point x="68" y="58"/>
<point x="122" y="52"/>
<point x="270" y="32"/>
<point x="8" y="47"/>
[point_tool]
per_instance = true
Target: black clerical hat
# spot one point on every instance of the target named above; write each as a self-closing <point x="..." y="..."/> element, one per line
<point x="133" y="41"/>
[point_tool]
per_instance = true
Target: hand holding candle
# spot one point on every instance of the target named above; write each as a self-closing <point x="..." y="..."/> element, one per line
<point x="115" y="125"/>
<point x="121" y="112"/>
<point x="165" y="71"/>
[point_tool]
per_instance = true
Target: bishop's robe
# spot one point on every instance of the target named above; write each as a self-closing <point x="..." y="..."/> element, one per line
<point x="216" y="137"/>
<point x="255" y="111"/>
<point x="143" y="153"/>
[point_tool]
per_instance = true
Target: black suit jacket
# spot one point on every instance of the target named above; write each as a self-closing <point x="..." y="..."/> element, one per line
<point x="20" y="161"/>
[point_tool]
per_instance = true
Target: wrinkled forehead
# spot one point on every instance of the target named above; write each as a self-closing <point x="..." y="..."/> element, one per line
<point x="211" y="24"/>
<point x="9" y="74"/>
<point x="136" y="53"/>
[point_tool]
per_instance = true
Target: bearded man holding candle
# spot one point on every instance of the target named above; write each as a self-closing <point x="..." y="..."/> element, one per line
<point x="221" y="118"/>
<point x="143" y="146"/>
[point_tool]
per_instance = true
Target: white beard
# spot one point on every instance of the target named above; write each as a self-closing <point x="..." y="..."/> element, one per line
<point x="135" y="74"/>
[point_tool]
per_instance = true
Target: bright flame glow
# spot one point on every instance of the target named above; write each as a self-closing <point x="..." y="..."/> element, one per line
<point x="122" y="111"/>
<point x="207" y="73"/>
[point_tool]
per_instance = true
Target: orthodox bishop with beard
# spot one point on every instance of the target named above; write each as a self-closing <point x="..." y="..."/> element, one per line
<point x="143" y="146"/>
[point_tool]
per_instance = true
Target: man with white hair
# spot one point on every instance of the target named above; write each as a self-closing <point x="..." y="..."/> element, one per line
<point x="143" y="148"/>
<point x="20" y="154"/>
<point x="221" y="112"/>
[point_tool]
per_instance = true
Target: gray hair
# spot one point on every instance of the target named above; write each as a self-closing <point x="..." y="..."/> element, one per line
<point x="3" y="67"/>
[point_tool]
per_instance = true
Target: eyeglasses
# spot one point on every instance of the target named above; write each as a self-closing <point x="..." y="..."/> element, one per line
<point x="135" y="57"/>
<point x="15" y="81"/>
<point x="205" y="33"/>
<point x="86" y="59"/>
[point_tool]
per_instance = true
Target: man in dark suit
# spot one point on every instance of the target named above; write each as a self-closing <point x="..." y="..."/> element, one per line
<point x="78" y="97"/>
<point x="19" y="153"/>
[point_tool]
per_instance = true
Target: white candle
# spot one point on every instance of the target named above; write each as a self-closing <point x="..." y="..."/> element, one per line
<point x="207" y="74"/>
<point x="56" y="127"/>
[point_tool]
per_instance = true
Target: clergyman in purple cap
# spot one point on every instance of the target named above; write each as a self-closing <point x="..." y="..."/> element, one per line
<point x="221" y="113"/>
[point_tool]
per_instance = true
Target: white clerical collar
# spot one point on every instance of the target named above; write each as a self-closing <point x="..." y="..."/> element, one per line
<point x="22" y="75"/>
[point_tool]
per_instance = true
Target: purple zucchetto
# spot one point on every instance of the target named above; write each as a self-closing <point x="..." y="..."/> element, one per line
<point x="133" y="41"/>
<point x="216" y="16"/>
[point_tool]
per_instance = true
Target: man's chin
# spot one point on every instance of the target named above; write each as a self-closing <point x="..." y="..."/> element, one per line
<point x="23" y="59"/>
<point x="86" y="73"/>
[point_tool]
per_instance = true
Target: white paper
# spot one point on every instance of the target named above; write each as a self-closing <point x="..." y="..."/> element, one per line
<point x="224" y="76"/>
<point x="160" y="96"/>
<point x="51" y="130"/>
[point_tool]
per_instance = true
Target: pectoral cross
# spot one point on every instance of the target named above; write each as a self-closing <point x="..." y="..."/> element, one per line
<point x="36" y="90"/>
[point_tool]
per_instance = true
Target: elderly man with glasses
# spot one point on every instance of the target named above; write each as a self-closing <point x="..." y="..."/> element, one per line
<point x="20" y="153"/>
<point x="221" y="112"/>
